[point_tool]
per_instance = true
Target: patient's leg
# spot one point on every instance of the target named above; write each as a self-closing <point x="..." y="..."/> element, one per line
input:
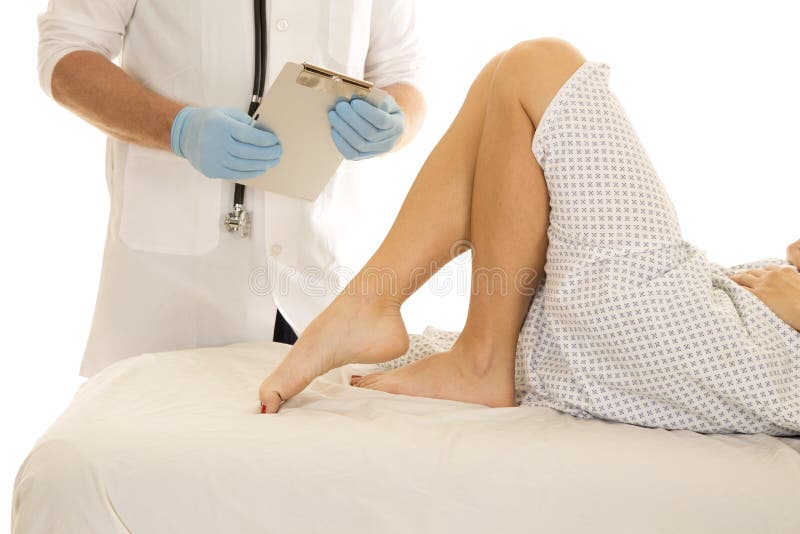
<point x="363" y="324"/>
<point x="509" y="222"/>
<point x="508" y="226"/>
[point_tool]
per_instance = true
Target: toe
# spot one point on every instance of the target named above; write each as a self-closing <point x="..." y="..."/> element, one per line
<point x="271" y="401"/>
<point x="290" y="378"/>
<point x="274" y="392"/>
<point x="368" y="381"/>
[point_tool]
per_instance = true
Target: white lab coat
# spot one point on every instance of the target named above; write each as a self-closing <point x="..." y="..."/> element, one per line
<point x="172" y="277"/>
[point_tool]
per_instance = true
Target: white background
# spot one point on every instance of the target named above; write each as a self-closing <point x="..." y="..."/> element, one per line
<point x="712" y="88"/>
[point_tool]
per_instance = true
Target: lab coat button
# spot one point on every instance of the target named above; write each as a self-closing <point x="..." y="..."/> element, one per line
<point x="282" y="25"/>
<point x="276" y="250"/>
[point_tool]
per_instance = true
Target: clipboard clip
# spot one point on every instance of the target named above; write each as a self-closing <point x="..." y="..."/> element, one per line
<point x="329" y="81"/>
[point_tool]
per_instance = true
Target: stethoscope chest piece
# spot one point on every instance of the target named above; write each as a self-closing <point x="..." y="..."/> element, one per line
<point x="239" y="221"/>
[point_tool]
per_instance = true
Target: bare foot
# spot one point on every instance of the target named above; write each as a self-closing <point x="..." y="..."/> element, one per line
<point x="353" y="329"/>
<point x="454" y="375"/>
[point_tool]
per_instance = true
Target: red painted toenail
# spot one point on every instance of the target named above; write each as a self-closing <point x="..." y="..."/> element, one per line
<point x="263" y="408"/>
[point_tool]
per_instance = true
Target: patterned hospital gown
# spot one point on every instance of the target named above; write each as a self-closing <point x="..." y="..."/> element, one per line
<point x="632" y="323"/>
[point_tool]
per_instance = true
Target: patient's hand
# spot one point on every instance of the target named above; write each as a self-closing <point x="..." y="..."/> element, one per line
<point x="793" y="253"/>
<point x="778" y="287"/>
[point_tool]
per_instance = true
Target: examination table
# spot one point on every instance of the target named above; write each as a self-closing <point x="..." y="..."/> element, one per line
<point x="174" y="443"/>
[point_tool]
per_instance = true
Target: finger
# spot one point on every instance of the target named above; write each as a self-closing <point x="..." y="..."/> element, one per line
<point x="354" y="154"/>
<point x="793" y="256"/>
<point x="245" y="165"/>
<point x="377" y="117"/>
<point x="241" y="175"/>
<point x="745" y="279"/>
<point x="253" y="152"/>
<point x="778" y="268"/>
<point x="238" y="169"/>
<point x="344" y="147"/>
<point x="359" y="124"/>
<point x="238" y="115"/>
<point x="380" y="147"/>
<point x="352" y="137"/>
<point x="389" y="105"/>
<point x="254" y="136"/>
<point x="364" y="147"/>
<point x="263" y="127"/>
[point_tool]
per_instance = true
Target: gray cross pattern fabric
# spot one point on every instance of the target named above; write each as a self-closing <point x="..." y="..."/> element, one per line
<point x="632" y="323"/>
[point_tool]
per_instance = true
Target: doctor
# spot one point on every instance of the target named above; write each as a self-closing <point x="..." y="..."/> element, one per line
<point x="172" y="276"/>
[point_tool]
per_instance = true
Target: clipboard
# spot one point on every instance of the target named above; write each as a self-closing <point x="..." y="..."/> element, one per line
<point x="296" y="109"/>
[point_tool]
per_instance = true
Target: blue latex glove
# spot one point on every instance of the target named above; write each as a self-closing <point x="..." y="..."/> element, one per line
<point x="224" y="143"/>
<point x="361" y="130"/>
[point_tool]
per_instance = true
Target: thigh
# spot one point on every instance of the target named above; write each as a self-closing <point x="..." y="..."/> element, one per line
<point x="604" y="191"/>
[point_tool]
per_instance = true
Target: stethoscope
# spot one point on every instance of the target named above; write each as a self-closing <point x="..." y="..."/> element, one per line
<point x="239" y="220"/>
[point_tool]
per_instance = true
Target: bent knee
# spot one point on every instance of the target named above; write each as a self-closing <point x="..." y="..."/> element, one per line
<point x="543" y="53"/>
<point x="534" y="70"/>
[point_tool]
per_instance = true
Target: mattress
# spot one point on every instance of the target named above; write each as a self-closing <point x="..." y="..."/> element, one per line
<point x="173" y="442"/>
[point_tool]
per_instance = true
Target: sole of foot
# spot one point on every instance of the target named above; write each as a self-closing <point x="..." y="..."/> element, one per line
<point x="351" y="330"/>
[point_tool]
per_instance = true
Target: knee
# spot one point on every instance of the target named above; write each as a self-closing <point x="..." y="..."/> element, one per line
<point x="533" y="71"/>
<point x="490" y="69"/>
<point x="531" y="57"/>
<point x="481" y="85"/>
<point x="536" y="55"/>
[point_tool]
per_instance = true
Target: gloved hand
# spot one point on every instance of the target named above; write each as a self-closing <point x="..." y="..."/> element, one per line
<point x="224" y="143"/>
<point x="361" y="130"/>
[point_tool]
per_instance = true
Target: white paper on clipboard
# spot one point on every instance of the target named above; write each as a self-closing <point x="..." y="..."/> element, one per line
<point x="296" y="109"/>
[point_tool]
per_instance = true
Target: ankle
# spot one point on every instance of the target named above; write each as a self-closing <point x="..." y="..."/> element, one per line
<point x="375" y="292"/>
<point x="486" y="354"/>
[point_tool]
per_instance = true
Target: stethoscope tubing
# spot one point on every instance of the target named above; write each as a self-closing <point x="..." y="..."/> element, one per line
<point x="259" y="74"/>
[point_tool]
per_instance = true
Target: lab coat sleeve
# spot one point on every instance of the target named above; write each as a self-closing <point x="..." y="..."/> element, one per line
<point x="71" y="25"/>
<point x="395" y="51"/>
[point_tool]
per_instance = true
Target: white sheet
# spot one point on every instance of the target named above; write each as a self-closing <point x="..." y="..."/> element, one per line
<point x="173" y="443"/>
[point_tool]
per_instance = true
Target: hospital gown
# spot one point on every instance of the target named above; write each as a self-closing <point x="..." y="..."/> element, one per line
<point x="631" y="323"/>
